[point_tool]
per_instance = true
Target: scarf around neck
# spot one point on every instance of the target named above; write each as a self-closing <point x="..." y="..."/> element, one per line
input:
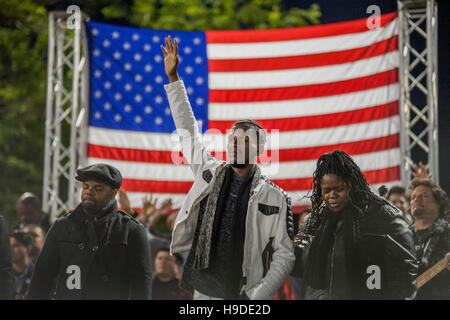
<point x="214" y="206"/>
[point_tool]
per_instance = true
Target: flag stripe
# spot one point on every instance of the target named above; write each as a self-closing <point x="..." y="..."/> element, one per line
<point x="372" y="177"/>
<point x="300" y="47"/>
<point x="301" y="77"/>
<point x="274" y="170"/>
<point x="304" y="107"/>
<point x="327" y="30"/>
<point x="309" y="153"/>
<point x="141" y="185"/>
<point x="304" y="61"/>
<point x="305" y="91"/>
<point x="298" y="198"/>
<point x="217" y="142"/>
<point x="320" y="121"/>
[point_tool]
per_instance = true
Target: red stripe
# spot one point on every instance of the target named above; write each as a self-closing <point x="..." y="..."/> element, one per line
<point x="313" y="153"/>
<point x="305" y="91"/>
<point x="156" y="186"/>
<point x="309" y="153"/>
<point x="298" y="209"/>
<point x="325" y="30"/>
<point x="304" y="61"/>
<point x="295" y="184"/>
<point x="138" y="155"/>
<point x="318" y="121"/>
<point x="372" y="177"/>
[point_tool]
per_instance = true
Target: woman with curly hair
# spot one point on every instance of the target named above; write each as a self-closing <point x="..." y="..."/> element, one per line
<point x="354" y="244"/>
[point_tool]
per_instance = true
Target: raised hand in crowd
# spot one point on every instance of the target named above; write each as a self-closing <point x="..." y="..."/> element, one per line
<point x="420" y="171"/>
<point x="161" y="212"/>
<point x="148" y="209"/>
<point x="124" y="203"/>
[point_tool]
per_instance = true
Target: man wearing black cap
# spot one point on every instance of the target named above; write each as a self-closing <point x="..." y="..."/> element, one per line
<point x="96" y="251"/>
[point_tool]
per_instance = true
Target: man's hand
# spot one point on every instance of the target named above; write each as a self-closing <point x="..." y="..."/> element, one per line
<point x="171" y="58"/>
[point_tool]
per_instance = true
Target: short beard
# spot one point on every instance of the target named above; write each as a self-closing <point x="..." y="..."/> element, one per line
<point x="239" y="165"/>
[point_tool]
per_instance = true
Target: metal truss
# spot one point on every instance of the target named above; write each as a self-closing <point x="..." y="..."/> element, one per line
<point x="66" y="112"/>
<point x="419" y="86"/>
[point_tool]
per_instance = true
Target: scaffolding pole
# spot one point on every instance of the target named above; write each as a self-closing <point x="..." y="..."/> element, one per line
<point x="66" y="107"/>
<point x="418" y="86"/>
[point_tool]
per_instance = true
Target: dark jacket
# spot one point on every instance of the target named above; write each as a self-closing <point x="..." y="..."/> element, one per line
<point x="6" y="271"/>
<point x="116" y="266"/>
<point x="438" y="238"/>
<point x="377" y="236"/>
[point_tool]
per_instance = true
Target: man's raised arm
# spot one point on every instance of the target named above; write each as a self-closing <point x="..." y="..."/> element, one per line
<point x="192" y="147"/>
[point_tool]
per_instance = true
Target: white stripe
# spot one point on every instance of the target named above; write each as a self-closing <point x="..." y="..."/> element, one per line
<point x="131" y="139"/>
<point x="279" y="170"/>
<point x="301" y="197"/>
<point x="217" y="142"/>
<point x="304" y="169"/>
<point x="300" y="47"/>
<point x="304" y="107"/>
<point x="298" y="198"/>
<point x="303" y="76"/>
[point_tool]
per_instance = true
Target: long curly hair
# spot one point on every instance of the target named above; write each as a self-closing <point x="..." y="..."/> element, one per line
<point x="341" y="164"/>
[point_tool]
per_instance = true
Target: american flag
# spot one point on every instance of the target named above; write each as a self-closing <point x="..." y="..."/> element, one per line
<point x="325" y="87"/>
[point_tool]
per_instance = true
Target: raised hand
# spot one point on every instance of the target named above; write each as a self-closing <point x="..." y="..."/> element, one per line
<point x="171" y="58"/>
<point x="148" y="209"/>
<point x="420" y="171"/>
<point x="124" y="202"/>
<point x="165" y="208"/>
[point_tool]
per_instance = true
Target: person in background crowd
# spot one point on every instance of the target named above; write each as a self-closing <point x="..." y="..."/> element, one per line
<point x="96" y="251"/>
<point x="159" y="222"/>
<point x="6" y="270"/>
<point x="29" y="212"/>
<point x="165" y="284"/>
<point x="340" y="242"/>
<point x="124" y="204"/>
<point x="397" y="196"/>
<point x="21" y="246"/>
<point x="38" y="235"/>
<point x="430" y="208"/>
<point x="234" y="223"/>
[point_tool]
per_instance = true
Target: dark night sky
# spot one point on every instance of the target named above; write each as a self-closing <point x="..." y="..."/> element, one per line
<point x="339" y="10"/>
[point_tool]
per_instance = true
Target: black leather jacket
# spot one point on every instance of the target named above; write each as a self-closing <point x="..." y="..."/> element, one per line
<point x="381" y="238"/>
<point x="116" y="266"/>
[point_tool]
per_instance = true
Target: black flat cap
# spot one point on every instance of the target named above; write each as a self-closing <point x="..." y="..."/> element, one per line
<point x="101" y="172"/>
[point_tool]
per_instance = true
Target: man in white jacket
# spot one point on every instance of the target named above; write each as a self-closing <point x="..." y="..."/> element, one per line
<point x="235" y="225"/>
